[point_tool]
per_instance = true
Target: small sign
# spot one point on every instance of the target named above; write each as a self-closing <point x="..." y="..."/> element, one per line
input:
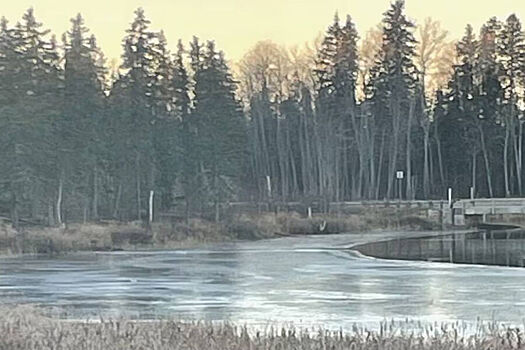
<point x="400" y="174"/>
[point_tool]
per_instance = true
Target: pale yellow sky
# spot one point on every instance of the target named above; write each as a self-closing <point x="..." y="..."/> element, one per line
<point x="238" y="24"/>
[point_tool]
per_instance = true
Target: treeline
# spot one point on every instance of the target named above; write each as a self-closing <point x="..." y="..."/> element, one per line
<point x="345" y="133"/>
<point x="77" y="145"/>
<point x="74" y="148"/>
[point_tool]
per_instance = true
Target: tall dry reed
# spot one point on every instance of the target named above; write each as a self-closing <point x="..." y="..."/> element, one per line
<point x="24" y="328"/>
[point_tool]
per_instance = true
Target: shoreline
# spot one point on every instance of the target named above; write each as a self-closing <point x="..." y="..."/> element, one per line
<point x="496" y="246"/>
<point x="132" y="236"/>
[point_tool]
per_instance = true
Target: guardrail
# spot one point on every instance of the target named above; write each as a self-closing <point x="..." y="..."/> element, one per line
<point x="478" y="206"/>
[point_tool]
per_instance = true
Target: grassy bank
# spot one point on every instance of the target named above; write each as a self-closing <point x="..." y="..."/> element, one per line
<point x="24" y="328"/>
<point x="166" y="235"/>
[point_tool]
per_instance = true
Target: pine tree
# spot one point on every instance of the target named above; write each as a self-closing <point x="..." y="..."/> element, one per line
<point x="79" y="128"/>
<point x="336" y="74"/>
<point x="352" y="141"/>
<point x="32" y="81"/>
<point x="391" y="87"/>
<point x="326" y="58"/>
<point x="187" y="153"/>
<point x="10" y="95"/>
<point x="165" y="124"/>
<point x="489" y="117"/>
<point x="456" y="127"/>
<point x="139" y="104"/>
<point x="511" y="54"/>
<point x="221" y="127"/>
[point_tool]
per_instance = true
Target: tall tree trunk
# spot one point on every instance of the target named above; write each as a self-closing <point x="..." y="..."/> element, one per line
<point x="394" y="150"/>
<point x="138" y="187"/>
<point x="50" y="214"/>
<point x="440" y="161"/>
<point x="519" y="156"/>
<point x="15" y="215"/>
<point x="371" y="159"/>
<point x="116" y="209"/>
<point x="94" y="210"/>
<point x="487" y="163"/>
<point x="426" y="173"/>
<point x="474" y="170"/>
<point x="380" y="165"/>
<point x="85" y="211"/>
<point x="59" y="198"/>
<point x="216" y="195"/>
<point x="506" y="159"/>
<point x="408" y="180"/>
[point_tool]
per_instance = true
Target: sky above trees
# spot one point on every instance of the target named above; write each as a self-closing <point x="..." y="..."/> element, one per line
<point x="237" y="25"/>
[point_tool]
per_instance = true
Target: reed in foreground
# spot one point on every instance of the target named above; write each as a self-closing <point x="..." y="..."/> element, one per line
<point x="24" y="328"/>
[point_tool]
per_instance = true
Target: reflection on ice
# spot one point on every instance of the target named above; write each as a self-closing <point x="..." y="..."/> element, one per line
<point x="307" y="281"/>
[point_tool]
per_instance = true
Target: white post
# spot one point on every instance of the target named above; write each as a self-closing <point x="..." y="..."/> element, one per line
<point x="309" y="212"/>
<point x="472" y="193"/>
<point x="269" y="186"/>
<point x="59" y="202"/>
<point x="400" y="175"/>
<point x="151" y="193"/>
<point x="450" y="197"/>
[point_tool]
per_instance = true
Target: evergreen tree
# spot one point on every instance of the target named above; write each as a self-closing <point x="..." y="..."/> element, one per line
<point x="187" y="131"/>
<point x="490" y="98"/>
<point x="166" y="123"/>
<point x="79" y="128"/>
<point x="511" y="54"/>
<point x="456" y="126"/>
<point x="139" y="105"/>
<point x="391" y="88"/>
<point x="32" y="79"/>
<point x="221" y="127"/>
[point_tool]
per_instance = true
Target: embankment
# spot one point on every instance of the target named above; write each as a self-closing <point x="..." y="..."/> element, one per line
<point x="113" y="235"/>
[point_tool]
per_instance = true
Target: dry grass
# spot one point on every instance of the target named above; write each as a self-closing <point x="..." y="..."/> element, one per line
<point x="268" y="225"/>
<point x="165" y="235"/>
<point x="24" y="328"/>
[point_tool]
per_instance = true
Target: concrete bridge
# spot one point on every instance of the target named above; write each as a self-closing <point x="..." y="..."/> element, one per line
<point x="454" y="212"/>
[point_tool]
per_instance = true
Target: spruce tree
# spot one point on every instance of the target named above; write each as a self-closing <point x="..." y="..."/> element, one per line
<point x="79" y="128"/>
<point x="391" y="88"/>
<point x="187" y="153"/>
<point x="32" y="80"/>
<point x="221" y="127"/>
<point x="139" y="105"/>
<point x="165" y="122"/>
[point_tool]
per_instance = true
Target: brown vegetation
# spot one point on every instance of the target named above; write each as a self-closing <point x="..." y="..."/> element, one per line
<point x="165" y="235"/>
<point x="24" y="328"/>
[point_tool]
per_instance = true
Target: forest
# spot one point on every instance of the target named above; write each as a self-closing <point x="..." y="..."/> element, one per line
<point x="82" y="142"/>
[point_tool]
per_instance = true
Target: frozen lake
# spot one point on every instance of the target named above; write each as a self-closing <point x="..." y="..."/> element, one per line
<point x="307" y="281"/>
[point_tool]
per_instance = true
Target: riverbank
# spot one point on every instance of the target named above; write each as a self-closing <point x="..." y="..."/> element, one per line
<point x="25" y="328"/>
<point x="113" y="235"/>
